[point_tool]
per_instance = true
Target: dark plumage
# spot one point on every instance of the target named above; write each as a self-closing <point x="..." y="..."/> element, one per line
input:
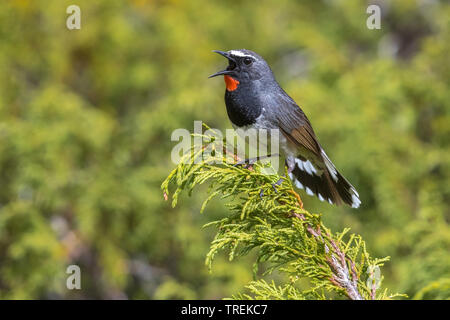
<point x="254" y="99"/>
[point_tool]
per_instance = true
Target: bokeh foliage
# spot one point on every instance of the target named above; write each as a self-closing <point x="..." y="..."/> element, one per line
<point x="86" y="118"/>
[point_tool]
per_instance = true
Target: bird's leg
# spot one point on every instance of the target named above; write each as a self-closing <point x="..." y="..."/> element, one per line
<point x="251" y="161"/>
<point x="290" y="164"/>
<point x="247" y="162"/>
<point x="274" y="186"/>
<point x="261" y="193"/>
<point x="278" y="183"/>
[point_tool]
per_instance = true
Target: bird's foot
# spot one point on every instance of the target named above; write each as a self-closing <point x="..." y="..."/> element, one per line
<point x="261" y="193"/>
<point x="274" y="186"/>
<point x="248" y="162"/>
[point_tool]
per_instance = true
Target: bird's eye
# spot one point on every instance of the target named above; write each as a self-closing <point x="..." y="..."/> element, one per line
<point x="248" y="61"/>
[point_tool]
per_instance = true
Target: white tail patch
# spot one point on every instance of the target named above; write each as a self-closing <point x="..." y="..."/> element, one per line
<point x="330" y="166"/>
<point x="299" y="164"/>
<point x="343" y="187"/>
<point x="355" y="201"/>
<point x="306" y="166"/>
<point x="355" y="192"/>
<point x="298" y="184"/>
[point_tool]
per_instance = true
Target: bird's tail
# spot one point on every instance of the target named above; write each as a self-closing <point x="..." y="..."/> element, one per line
<point x="327" y="184"/>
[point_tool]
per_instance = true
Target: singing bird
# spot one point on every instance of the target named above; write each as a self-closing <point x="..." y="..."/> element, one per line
<point x="254" y="99"/>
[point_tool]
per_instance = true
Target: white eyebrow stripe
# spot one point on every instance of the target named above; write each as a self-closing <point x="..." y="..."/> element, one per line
<point x="239" y="54"/>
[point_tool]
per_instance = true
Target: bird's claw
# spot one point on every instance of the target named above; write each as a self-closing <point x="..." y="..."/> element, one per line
<point x="244" y="163"/>
<point x="248" y="162"/>
<point x="274" y="186"/>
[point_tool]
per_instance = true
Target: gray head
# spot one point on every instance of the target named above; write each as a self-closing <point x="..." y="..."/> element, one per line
<point x="245" y="66"/>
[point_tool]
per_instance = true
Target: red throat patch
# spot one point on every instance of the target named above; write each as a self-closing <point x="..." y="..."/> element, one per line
<point x="231" y="83"/>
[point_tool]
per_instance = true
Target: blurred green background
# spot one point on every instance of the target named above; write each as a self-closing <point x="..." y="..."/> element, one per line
<point x="86" y="117"/>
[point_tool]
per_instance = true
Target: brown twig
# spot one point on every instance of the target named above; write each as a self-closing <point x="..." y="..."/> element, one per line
<point x="374" y="287"/>
<point x="337" y="261"/>
<point x="299" y="200"/>
<point x="341" y="277"/>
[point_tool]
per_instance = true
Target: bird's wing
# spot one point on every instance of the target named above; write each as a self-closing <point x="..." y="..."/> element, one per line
<point x="296" y="127"/>
<point x="312" y="169"/>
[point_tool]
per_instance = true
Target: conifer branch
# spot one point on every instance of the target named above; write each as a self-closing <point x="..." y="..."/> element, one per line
<point x="287" y="237"/>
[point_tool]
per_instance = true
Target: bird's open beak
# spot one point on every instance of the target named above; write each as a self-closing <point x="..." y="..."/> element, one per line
<point x="230" y="69"/>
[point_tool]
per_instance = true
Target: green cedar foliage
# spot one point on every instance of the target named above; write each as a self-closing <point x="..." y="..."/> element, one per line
<point x="272" y="221"/>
